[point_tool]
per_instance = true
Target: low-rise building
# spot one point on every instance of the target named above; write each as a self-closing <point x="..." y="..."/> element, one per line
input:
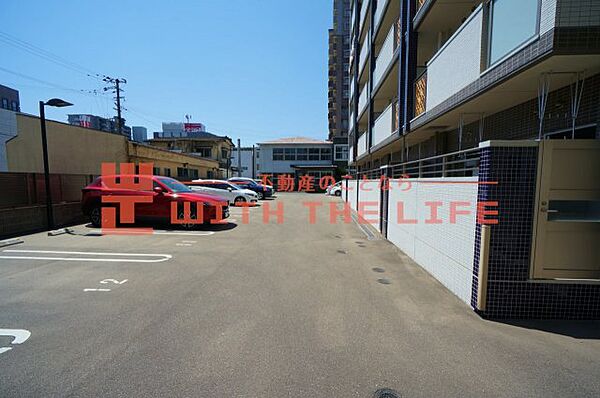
<point x="243" y="161"/>
<point x="191" y="141"/>
<point x="295" y="156"/>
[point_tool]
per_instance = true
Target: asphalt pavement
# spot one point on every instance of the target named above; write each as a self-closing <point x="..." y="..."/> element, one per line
<point x="257" y="309"/>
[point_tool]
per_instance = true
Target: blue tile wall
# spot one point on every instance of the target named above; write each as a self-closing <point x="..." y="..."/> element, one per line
<point x="510" y="293"/>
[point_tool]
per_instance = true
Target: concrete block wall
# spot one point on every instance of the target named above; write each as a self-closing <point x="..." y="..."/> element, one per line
<point x="22" y="220"/>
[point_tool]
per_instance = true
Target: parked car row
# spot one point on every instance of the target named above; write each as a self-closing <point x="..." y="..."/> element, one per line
<point x="153" y="197"/>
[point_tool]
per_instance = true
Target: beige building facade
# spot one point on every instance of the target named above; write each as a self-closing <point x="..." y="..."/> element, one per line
<point x="78" y="150"/>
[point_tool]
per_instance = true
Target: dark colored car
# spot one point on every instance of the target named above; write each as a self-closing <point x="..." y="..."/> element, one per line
<point x="261" y="190"/>
<point x="162" y="190"/>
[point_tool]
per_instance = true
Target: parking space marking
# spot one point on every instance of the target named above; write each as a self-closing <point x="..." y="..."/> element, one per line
<point x="188" y="241"/>
<point x="183" y="244"/>
<point x="96" y="290"/>
<point x="166" y="232"/>
<point x="19" y="337"/>
<point x="161" y="257"/>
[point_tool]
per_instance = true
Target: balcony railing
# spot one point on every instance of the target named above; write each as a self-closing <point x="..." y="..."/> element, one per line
<point x="362" y="56"/>
<point x="362" y="100"/>
<point x="459" y="57"/>
<point x="363" y="12"/>
<point x="385" y="55"/>
<point x="381" y="4"/>
<point x="362" y="144"/>
<point x="385" y="124"/>
<point x="351" y="122"/>
<point x="421" y="94"/>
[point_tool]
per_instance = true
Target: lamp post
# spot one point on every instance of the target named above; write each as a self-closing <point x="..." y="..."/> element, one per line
<point x="56" y="102"/>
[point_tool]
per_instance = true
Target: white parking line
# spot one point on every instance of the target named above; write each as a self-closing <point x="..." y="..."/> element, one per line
<point x="207" y="233"/>
<point x="161" y="257"/>
<point x="96" y="290"/>
<point x="163" y="232"/>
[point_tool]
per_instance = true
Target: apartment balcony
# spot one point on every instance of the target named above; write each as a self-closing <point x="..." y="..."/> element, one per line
<point x="386" y="124"/>
<point x="363" y="100"/>
<point x="362" y="55"/>
<point x="362" y="144"/>
<point x="364" y="7"/>
<point x="379" y="11"/>
<point x="456" y="64"/>
<point x="386" y="55"/>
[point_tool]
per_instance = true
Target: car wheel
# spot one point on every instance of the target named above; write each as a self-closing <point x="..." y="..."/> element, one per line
<point x="239" y="200"/>
<point x="187" y="226"/>
<point x="338" y="193"/>
<point x="260" y="195"/>
<point x="96" y="216"/>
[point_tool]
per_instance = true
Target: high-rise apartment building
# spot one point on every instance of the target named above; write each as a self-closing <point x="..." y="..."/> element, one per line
<point x="478" y="102"/>
<point x="339" y="55"/>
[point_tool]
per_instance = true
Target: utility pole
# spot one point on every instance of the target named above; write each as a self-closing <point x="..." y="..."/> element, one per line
<point x="116" y="90"/>
<point x="239" y="165"/>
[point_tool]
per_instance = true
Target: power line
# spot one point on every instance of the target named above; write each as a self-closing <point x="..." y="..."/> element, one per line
<point x="48" y="56"/>
<point x="89" y="93"/>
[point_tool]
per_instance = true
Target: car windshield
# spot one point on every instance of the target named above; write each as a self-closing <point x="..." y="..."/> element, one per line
<point x="233" y="186"/>
<point x="174" y="185"/>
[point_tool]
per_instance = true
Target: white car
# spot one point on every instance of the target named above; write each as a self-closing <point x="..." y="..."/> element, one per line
<point x="334" y="190"/>
<point x="234" y="194"/>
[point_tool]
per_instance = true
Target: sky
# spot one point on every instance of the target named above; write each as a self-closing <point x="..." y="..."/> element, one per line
<point x="250" y="69"/>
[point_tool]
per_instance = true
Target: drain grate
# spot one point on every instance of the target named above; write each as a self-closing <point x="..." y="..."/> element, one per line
<point x="378" y="270"/>
<point x="384" y="281"/>
<point x="342" y="251"/>
<point x="386" y="393"/>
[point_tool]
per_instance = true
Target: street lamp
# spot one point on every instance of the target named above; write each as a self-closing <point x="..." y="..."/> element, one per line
<point x="59" y="103"/>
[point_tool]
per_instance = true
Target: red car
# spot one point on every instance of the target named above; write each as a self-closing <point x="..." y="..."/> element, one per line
<point x="158" y="193"/>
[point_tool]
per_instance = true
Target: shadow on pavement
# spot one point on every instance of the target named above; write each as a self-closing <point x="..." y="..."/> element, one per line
<point x="575" y="329"/>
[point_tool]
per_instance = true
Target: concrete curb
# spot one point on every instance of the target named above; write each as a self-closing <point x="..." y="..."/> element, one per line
<point x="9" y="242"/>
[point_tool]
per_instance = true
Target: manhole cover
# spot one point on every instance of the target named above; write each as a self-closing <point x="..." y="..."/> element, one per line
<point x="378" y="270"/>
<point x="386" y="393"/>
<point x="384" y="281"/>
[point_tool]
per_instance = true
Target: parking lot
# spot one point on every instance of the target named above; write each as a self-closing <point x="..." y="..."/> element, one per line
<point x="261" y="309"/>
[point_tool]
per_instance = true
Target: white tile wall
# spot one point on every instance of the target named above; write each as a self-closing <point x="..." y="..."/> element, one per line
<point x="445" y="250"/>
<point x="352" y="187"/>
<point x="369" y="192"/>
<point x="458" y="62"/>
<point x="547" y="16"/>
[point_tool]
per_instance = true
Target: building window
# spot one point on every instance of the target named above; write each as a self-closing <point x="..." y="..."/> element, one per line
<point x="224" y="154"/>
<point x="277" y="153"/>
<point x="205" y="152"/>
<point x="5" y="103"/>
<point x="302" y="154"/>
<point x="512" y="23"/>
<point x="341" y="152"/>
<point x="167" y="172"/>
<point x="290" y="153"/>
<point x="156" y="171"/>
<point x="325" y="153"/>
<point x="313" y="153"/>
<point x="14" y="106"/>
